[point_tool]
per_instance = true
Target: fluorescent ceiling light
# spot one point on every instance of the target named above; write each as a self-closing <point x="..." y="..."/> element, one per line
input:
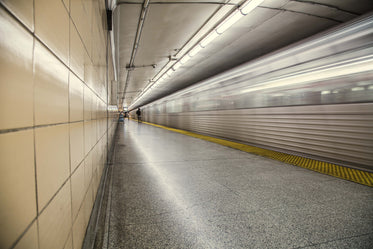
<point x="147" y="88"/>
<point x="227" y="23"/>
<point x="170" y="71"/>
<point x="157" y="78"/>
<point x="185" y="59"/>
<point x="177" y="65"/>
<point x="195" y="50"/>
<point x="358" y="88"/>
<point x="249" y="6"/>
<point x="209" y="38"/>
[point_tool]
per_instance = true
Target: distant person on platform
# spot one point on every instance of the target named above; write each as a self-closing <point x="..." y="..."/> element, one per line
<point x="138" y="113"/>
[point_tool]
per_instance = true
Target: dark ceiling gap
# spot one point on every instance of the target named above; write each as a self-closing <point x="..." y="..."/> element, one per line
<point x="326" y="5"/>
<point x="303" y="13"/>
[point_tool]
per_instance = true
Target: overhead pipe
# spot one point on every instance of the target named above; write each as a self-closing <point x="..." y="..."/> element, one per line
<point x="136" y="44"/>
<point x="140" y="25"/>
<point x="139" y="31"/>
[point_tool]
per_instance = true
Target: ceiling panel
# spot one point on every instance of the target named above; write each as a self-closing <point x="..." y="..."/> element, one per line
<point x="353" y="6"/>
<point x="168" y="27"/>
<point x="166" y="30"/>
<point x="323" y="11"/>
<point x="125" y="24"/>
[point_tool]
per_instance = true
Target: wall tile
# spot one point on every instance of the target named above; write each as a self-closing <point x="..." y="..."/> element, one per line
<point x="99" y="35"/>
<point x="87" y="171"/>
<point x="98" y="128"/>
<point x="78" y="189"/>
<point x="52" y="160"/>
<point x="72" y="41"/>
<point x="67" y="4"/>
<point x="51" y="88"/>
<point x="87" y="28"/>
<point x="94" y="107"/>
<point x="30" y="239"/>
<point x="22" y="9"/>
<point x="105" y="126"/>
<point x="18" y="201"/>
<point x="79" y="228"/>
<point x="76" y="144"/>
<point x="16" y="83"/>
<point x="87" y="205"/>
<point x="76" y="92"/>
<point x="87" y="137"/>
<point x="88" y="95"/>
<point x="99" y="109"/>
<point x="77" y="52"/>
<point x="52" y="26"/>
<point x="82" y="16"/>
<point x="69" y="242"/>
<point x="93" y="133"/>
<point x="89" y="77"/>
<point x="101" y="128"/>
<point x="95" y="157"/>
<point x="55" y="221"/>
<point x="95" y="181"/>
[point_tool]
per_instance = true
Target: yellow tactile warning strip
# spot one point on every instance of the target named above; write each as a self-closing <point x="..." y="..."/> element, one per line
<point x="359" y="176"/>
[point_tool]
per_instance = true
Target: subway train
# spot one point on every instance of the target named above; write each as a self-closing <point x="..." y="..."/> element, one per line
<point x="313" y="98"/>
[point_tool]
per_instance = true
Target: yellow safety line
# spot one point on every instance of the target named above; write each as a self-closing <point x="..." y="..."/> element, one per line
<point x="350" y="174"/>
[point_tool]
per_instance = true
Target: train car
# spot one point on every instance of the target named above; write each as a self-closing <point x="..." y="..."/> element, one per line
<point x="314" y="99"/>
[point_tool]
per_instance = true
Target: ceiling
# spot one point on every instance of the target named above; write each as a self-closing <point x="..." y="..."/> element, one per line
<point x="152" y="35"/>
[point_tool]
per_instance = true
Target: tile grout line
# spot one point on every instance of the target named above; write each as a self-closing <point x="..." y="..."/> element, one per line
<point x="4" y="131"/>
<point x="69" y="121"/>
<point x="34" y="129"/>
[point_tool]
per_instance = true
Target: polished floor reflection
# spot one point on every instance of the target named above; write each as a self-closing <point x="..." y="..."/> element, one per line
<point x="173" y="191"/>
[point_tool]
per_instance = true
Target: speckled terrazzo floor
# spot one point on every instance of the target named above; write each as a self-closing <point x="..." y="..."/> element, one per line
<point x="173" y="191"/>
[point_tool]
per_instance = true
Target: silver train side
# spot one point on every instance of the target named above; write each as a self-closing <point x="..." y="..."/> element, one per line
<point x="313" y="99"/>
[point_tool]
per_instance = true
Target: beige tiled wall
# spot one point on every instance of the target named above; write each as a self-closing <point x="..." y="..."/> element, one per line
<point x="55" y="124"/>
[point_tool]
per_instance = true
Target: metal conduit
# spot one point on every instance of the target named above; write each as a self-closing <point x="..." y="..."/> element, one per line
<point x="136" y="43"/>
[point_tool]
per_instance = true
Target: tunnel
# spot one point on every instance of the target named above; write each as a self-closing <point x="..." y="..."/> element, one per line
<point x="186" y="124"/>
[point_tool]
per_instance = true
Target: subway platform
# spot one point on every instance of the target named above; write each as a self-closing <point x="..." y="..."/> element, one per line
<point x="169" y="190"/>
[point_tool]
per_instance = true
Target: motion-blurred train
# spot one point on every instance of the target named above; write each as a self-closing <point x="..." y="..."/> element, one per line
<point x="313" y="98"/>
